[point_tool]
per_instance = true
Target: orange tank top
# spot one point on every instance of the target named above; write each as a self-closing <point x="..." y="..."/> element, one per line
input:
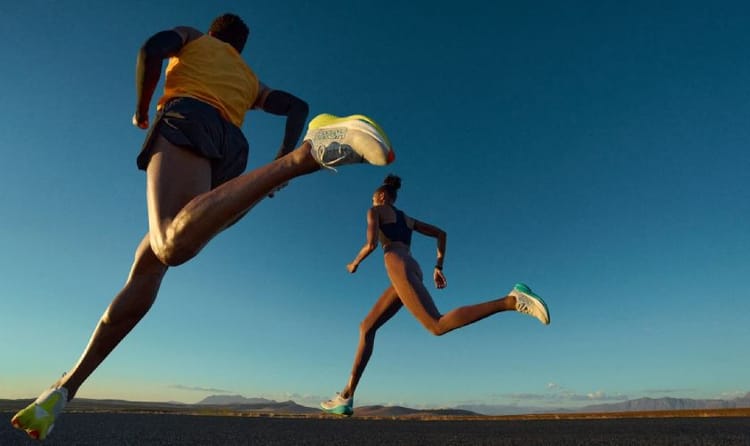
<point x="212" y="71"/>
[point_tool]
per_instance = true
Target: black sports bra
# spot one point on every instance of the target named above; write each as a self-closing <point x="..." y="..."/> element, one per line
<point x="397" y="231"/>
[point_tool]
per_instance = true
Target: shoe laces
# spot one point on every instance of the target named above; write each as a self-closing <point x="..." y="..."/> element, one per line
<point x="342" y="152"/>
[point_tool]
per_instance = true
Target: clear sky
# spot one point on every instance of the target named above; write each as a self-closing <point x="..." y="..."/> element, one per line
<point x="597" y="151"/>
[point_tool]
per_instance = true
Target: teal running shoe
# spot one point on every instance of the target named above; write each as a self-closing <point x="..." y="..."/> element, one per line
<point x="38" y="418"/>
<point x="529" y="303"/>
<point x="339" y="405"/>
<point x="352" y="139"/>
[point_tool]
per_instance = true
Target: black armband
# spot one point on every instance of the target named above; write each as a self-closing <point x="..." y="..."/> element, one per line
<point x="295" y="109"/>
<point x="158" y="47"/>
<point x="163" y="44"/>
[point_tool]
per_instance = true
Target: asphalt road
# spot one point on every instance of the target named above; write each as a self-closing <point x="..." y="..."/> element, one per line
<point x="112" y="429"/>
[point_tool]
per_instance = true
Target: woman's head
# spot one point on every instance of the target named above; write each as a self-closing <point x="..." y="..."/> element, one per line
<point x="231" y="29"/>
<point x="387" y="192"/>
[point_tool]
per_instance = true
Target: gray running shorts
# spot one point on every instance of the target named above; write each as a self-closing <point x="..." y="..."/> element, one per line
<point x="198" y="127"/>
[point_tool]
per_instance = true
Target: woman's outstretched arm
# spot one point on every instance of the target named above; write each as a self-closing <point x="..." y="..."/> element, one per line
<point x="370" y="244"/>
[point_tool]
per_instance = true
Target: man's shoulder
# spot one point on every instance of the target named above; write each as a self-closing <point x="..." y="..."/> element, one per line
<point x="187" y="33"/>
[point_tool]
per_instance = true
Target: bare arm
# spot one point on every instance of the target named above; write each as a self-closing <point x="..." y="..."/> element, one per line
<point x="441" y="236"/>
<point x="160" y="46"/>
<point x="281" y="103"/>
<point x="370" y="244"/>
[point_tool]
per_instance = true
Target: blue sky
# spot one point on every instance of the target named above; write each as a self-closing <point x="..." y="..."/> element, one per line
<point x="597" y="153"/>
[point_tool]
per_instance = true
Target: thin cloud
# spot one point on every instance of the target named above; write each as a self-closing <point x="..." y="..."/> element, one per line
<point x="603" y="396"/>
<point x="734" y="394"/>
<point x="557" y="394"/>
<point x="667" y="391"/>
<point x="198" y="389"/>
<point x="308" y="400"/>
<point x="561" y="397"/>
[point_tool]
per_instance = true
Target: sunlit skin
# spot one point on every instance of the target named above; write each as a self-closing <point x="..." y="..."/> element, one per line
<point x="406" y="287"/>
<point x="184" y="214"/>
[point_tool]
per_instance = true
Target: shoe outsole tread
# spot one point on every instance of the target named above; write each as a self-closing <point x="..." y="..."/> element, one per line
<point x="525" y="289"/>
<point x="365" y="125"/>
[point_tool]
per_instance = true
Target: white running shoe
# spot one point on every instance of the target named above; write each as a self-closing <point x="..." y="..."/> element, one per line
<point x="348" y="140"/>
<point x="338" y="405"/>
<point x="529" y="303"/>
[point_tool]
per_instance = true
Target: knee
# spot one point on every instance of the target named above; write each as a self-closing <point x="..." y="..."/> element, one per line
<point x="169" y="252"/>
<point x="170" y="257"/>
<point x="367" y="330"/>
<point x="436" y="328"/>
<point x="437" y="331"/>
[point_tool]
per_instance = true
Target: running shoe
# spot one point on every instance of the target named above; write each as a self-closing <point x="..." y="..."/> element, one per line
<point x="352" y="139"/>
<point x="38" y="418"/>
<point x="339" y="405"/>
<point x="529" y="303"/>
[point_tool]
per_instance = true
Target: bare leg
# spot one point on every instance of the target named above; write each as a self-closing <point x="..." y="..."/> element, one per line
<point x="125" y="311"/>
<point x="184" y="214"/>
<point x="179" y="230"/>
<point x="406" y="278"/>
<point x="385" y="308"/>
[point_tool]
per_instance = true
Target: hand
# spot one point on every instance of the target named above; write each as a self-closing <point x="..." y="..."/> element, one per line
<point x="440" y="280"/>
<point x="140" y="120"/>
<point x="352" y="267"/>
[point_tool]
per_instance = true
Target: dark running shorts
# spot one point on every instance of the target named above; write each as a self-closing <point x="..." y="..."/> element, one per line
<point x="198" y="127"/>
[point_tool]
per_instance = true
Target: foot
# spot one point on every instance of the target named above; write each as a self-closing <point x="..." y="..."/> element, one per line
<point x="352" y="139"/>
<point x="529" y="303"/>
<point x="339" y="405"/>
<point x="38" y="418"/>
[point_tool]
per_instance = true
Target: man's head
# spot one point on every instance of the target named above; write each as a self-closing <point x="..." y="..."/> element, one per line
<point x="231" y="29"/>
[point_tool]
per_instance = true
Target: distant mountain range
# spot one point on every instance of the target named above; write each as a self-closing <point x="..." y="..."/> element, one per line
<point x="636" y="405"/>
<point x="399" y="411"/>
<point x="239" y="405"/>
<point x="232" y="399"/>
<point x="258" y="405"/>
<point x="651" y="404"/>
<point x="239" y="402"/>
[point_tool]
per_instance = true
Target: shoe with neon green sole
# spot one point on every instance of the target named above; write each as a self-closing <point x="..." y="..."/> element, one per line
<point x="38" y="418"/>
<point x="527" y="302"/>
<point x="337" y="141"/>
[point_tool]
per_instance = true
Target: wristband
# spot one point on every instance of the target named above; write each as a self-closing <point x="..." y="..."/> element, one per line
<point x="438" y="267"/>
